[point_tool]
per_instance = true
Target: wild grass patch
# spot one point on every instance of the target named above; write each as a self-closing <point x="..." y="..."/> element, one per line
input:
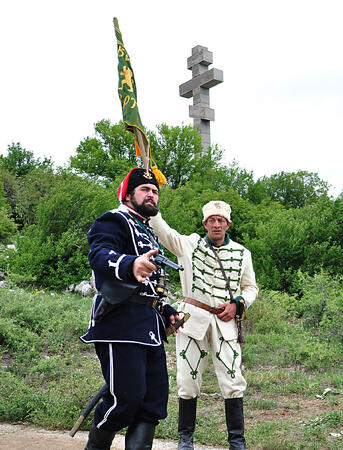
<point x="294" y="374"/>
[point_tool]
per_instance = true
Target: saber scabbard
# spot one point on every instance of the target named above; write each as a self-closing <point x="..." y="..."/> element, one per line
<point x="87" y="410"/>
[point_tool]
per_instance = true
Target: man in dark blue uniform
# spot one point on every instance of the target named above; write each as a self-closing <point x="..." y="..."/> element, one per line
<point x="129" y="331"/>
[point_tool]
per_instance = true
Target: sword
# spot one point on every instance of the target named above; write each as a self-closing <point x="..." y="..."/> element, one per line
<point x="87" y="410"/>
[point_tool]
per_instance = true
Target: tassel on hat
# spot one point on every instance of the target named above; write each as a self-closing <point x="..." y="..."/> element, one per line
<point x="161" y="179"/>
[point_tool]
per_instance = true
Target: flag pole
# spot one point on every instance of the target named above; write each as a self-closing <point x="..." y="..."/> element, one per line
<point x="144" y="151"/>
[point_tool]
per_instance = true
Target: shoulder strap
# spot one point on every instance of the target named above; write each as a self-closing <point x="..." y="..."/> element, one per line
<point x="222" y="269"/>
<point x="240" y="338"/>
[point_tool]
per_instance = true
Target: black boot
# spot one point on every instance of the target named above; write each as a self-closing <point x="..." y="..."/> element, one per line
<point x="139" y="436"/>
<point x="187" y="415"/>
<point x="235" y="423"/>
<point x="99" y="439"/>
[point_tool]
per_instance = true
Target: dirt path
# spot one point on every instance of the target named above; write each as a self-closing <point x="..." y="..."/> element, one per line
<point x="22" y="437"/>
<point x="19" y="437"/>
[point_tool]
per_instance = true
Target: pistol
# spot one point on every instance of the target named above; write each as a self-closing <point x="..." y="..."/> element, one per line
<point x="161" y="262"/>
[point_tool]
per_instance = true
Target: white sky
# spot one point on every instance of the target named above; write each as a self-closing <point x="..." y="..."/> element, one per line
<point x="280" y="106"/>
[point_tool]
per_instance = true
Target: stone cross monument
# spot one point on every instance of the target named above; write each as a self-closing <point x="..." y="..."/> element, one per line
<point x="199" y="88"/>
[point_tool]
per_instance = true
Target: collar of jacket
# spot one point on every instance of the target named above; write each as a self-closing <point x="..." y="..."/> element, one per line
<point x="130" y="210"/>
<point x="227" y="240"/>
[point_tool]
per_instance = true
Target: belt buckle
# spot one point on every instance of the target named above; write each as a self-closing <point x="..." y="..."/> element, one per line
<point x="211" y="310"/>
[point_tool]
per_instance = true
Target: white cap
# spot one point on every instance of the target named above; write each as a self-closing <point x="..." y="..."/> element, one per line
<point x="217" y="208"/>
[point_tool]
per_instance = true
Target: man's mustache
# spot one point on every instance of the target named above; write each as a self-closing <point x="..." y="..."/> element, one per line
<point x="150" y="200"/>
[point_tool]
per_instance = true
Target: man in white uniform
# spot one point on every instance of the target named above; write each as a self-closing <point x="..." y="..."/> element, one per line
<point x="218" y="284"/>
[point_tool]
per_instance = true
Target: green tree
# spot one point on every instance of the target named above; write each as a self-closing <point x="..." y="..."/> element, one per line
<point x="7" y="225"/>
<point x="53" y="251"/>
<point x="32" y="187"/>
<point x="11" y="186"/>
<point x="288" y="240"/>
<point x="20" y="161"/>
<point x="334" y="226"/>
<point x="235" y="177"/>
<point x="108" y="155"/>
<point x="25" y="192"/>
<point x="257" y="192"/>
<point x="294" y="189"/>
<point x="177" y="152"/>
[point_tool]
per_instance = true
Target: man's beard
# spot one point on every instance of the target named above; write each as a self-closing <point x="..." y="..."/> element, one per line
<point x="144" y="209"/>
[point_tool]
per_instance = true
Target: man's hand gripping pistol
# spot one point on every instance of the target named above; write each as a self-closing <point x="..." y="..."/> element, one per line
<point x="161" y="262"/>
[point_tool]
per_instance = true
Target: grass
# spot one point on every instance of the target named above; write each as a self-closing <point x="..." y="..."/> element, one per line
<point x="48" y="375"/>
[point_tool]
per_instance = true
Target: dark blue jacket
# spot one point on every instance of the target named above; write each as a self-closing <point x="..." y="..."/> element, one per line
<point x="116" y="239"/>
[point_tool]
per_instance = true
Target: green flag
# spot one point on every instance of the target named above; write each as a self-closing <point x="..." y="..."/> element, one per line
<point x="128" y="96"/>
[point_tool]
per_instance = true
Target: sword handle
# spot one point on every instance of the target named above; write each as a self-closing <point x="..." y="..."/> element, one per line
<point x="77" y="426"/>
<point x="88" y="409"/>
<point x="172" y="328"/>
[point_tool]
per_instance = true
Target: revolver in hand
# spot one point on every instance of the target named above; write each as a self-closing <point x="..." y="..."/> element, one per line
<point x="161" y="262"/>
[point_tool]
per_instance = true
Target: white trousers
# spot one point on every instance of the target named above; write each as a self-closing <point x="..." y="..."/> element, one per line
<point x="192" y="359"/>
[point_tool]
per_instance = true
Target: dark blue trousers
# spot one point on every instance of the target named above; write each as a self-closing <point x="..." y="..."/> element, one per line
<point x="138" y="385"/>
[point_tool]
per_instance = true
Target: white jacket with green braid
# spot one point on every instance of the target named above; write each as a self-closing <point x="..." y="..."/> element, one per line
<point x="202" y="278"/>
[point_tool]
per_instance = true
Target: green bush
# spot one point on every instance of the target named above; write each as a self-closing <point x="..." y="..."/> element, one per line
<point x="315" y="354"/>
<point x="320" y="304"/>
<point x="53" y="252"/>
<point x="14" y="391"/>
<point x="7" y="225"/>
<point x="289" y="240"/>
<point x="288" y="329"/>
<point x="16" y="337"/>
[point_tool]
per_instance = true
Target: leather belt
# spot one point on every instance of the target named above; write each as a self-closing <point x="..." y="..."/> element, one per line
<point x="210" y="309"/>
<point x="143" y="300"/>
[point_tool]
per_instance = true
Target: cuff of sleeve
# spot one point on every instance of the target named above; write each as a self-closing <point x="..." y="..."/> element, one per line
<point x="241" y="307"/>
<point x="168" y="310"/>
<point x="125" y="269"/>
